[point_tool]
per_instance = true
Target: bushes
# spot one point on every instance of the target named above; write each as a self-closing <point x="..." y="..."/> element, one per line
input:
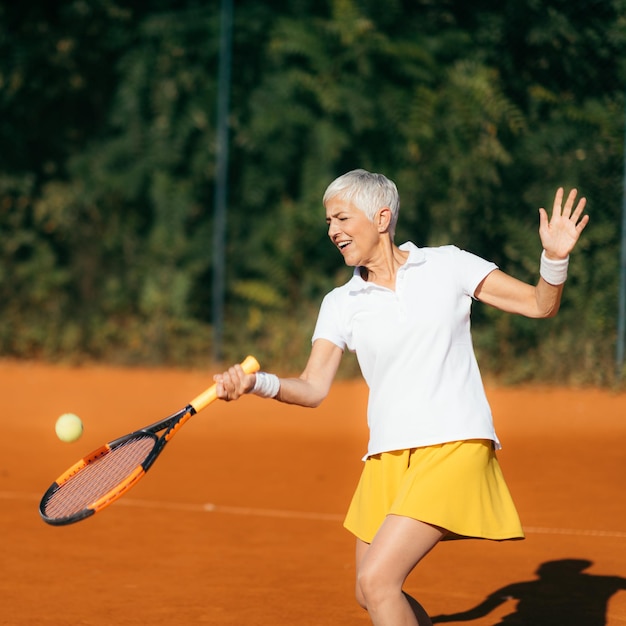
<point x="106" y="199"/>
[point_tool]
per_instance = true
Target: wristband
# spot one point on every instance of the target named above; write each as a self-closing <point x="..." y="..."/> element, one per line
<point x="266" y="385"/>
<point x="553" y="272"/>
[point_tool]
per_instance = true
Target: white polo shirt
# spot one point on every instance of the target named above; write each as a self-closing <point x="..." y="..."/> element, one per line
<point x="415" y="349"/>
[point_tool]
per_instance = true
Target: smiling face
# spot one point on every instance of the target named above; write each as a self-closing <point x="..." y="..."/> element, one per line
<point x="357" y="237"/>
<point x="368" y="192"/>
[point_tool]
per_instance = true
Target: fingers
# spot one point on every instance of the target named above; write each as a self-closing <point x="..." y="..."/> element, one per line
<point x="558" y="199"/>
<point x="559" y="233"/>
<point x="231" y="384"/>
<point x="566" y="211"/>
<point x="569" y="211"/>
<point x="581" y="225"/>
<point x="580" y="207"/>
<point x="543" y="219"/>
<point x="569" y="203"/>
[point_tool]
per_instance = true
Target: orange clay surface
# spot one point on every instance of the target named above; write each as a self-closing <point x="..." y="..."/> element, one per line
<point x="240" y="520"/>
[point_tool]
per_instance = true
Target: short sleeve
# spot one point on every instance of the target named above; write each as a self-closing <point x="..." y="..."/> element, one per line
<point x="328" y="324"/>
<point x="471" y="270"/>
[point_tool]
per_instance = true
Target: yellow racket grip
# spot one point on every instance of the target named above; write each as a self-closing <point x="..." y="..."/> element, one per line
<point x="249" y="365"/>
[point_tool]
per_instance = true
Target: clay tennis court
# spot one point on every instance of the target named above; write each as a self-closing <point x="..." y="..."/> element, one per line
<point x="219" y="533"/>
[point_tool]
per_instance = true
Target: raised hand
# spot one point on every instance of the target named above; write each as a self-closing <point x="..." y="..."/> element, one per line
<point x="560" y="233"/>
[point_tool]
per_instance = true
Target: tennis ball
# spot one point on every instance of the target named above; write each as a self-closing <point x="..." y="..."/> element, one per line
<point x="69" y="427"/>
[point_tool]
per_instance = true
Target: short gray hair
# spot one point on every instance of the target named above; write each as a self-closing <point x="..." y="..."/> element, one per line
<point x="368" y="191"/>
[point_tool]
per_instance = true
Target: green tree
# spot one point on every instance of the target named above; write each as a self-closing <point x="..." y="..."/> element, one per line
<point x="477" y="110"/>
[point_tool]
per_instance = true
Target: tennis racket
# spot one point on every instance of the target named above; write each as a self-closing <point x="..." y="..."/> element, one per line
<point x="106" y="474"/>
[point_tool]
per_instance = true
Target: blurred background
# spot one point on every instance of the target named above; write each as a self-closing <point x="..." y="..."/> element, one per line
<point x="162" y="165"/>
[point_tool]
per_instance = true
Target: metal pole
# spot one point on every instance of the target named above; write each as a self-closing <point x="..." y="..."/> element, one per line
<point x="621" y="314"/>
<point x="221" y="176"/>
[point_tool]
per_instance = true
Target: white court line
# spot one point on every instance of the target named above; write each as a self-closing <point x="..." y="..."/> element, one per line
<point x="286" y="514"/>
<point x="534" y="530"/>
<point x="232" y="510"/>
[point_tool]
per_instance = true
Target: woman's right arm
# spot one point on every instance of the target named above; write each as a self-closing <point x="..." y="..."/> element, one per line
<point x="308" y="390"/>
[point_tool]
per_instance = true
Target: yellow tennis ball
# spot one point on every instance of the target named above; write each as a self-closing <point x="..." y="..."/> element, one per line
<point x="69" y="427"/>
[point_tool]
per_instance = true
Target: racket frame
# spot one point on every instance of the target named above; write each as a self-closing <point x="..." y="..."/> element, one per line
<point x="171" y="425"/>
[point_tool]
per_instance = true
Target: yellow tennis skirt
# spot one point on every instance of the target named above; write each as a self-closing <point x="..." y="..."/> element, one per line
<point x="457" y="486"/>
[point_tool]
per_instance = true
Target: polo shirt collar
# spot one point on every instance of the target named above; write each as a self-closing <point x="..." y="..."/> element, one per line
<point x="416" y="257"/>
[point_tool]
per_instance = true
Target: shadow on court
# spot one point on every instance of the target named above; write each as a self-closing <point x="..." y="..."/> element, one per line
<point x="562" y="594"/>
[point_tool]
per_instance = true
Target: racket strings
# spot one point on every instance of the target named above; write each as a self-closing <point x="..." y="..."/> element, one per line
<point x="98" y="478"/>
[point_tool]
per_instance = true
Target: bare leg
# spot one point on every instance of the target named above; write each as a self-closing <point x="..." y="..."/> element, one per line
<point x="383" y="566"/>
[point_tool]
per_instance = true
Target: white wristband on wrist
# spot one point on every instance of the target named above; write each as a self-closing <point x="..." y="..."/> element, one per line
<point x="266" y="385"/>
<point x="553" y="272"/>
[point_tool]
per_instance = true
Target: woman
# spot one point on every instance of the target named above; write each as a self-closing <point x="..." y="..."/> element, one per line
<point x="431" y="470"/>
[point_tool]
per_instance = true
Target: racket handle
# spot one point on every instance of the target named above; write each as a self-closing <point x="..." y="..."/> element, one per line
<point x="249" y="365"/>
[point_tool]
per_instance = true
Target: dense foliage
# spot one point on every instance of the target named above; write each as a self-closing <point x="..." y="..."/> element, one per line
<point x="478" y="111"/>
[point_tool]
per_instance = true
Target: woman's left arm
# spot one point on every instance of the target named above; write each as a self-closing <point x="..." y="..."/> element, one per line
<point x="559" y="236"/>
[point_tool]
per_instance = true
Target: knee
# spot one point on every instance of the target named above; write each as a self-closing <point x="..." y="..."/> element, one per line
<point x="360" y="595"/>
<point x="370" y="588"/>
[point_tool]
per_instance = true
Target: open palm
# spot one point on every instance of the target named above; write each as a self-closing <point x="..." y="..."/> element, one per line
<point x="560" y="233"/>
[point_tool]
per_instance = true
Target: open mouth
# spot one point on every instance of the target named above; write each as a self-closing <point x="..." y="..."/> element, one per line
<point x="343" y="244"/>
